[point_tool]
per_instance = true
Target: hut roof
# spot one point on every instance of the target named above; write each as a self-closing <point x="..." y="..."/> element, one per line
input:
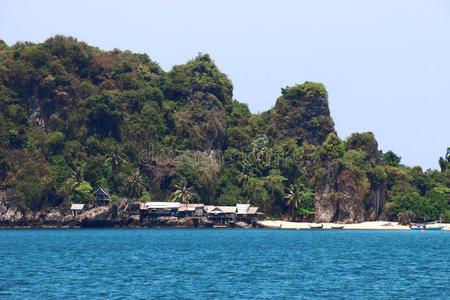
<point x="191" y="206"/>
<point x="76" y="206"/>
<point x="209" y="208"/>
<point x="242" y="208"/>
<point x="194" y="205"/>
<point x="227" y="209"/>
<point x="252" y="210"/>
<point x="162" y="205"/>
<point x="102" y="190"/>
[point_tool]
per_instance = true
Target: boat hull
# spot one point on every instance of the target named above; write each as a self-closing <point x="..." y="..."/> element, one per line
<point x="426" y="228"/>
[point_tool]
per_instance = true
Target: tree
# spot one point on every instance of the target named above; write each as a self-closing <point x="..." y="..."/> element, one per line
<point x="115" y="159"/>
<point x="135" y="184"/>
<point x="183" y="193"/>
<point x="293" y="197"/>
<point x="306" y="207"/>
<point x="444" y="161"/>
<point x="390" y="159"/>
<point x="300" y="200"/>
<point x="332" y="147"/>
<point x="84" y="191"/>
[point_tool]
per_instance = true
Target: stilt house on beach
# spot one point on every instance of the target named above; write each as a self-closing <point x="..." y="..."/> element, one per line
<point x="102" y="197"/>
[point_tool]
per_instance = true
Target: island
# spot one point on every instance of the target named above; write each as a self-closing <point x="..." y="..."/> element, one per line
<point x="78" y="122"/>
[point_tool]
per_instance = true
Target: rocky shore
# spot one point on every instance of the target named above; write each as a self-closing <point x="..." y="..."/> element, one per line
<point x="120" y="215"/>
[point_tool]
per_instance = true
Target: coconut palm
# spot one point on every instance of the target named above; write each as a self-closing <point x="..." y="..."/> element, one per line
<point x="76" y="177"/>
<point x="115" y="160"/>
<point x="135" y="183"/>
<point x="183" y="193"/>
<point x="293" y="197"/>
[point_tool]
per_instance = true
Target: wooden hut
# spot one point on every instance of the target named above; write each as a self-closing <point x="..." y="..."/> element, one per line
<point x="220" y="214"/>
<point x="247" y="213"/>
<point x="102" y="197"/>
<point x="190" y="210"/>
<point x="77" y="209"/>
<point x="156" y="209"/>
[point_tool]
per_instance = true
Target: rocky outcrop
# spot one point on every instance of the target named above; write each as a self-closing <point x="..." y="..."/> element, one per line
<point x="346" y="193"/>
<point x="9" y="215"/>
<point x="121" y="214"/>
<point x="302" y="113"/>
<point x="188" y="222"/>
<point x="54" y="217"/>
<point x="406" y="218"/>
<point x="103" y="216"/>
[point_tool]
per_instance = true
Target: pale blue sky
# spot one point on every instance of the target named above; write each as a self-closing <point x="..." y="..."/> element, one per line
<point x="385" y="64"/>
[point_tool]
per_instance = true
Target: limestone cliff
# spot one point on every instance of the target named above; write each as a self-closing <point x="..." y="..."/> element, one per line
<point x="302" y="113"/>
<point x="346" y="192"/>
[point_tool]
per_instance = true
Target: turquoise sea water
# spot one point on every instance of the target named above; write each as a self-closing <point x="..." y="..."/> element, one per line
<point x="224" y="264"/>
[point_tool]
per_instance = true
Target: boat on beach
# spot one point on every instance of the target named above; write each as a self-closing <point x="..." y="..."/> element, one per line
<point x="337" y="226"/>
<point x="316" y="226"/>
<point x="426" y="227"/>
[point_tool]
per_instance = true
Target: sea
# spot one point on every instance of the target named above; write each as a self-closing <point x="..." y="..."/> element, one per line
<point x="223" y="264"/>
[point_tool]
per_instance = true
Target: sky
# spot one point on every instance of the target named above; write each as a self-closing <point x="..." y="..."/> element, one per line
<point x="385" y="64"/>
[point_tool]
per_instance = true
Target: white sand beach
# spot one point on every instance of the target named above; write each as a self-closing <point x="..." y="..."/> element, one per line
<point x="373" y="225"/>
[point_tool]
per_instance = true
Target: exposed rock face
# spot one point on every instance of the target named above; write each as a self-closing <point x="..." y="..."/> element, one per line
<point x="54" y="217"/>
<point x="302" y="112"/>
<point x="188" y="222"/>
<point x="374" y="202"/>
<point x="241" y="225"/>
<point x="405" y="219"/>
<point x="344" y="193"/>
<point x="103" y="216"/>
<point x="9" y="215"/>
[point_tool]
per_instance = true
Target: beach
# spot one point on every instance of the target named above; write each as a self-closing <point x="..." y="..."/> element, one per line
<point x="370" y="225"/>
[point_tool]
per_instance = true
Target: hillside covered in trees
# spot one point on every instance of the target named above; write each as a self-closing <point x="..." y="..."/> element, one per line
<point x="74" y="117"/>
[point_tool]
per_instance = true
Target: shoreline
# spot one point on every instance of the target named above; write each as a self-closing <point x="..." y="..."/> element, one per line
<point x="367" y="225"/>
<point x="264" y="224"/>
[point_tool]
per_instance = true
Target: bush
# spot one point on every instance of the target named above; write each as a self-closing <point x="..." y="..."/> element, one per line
<point x="332" y="147"/>
<point x="56" y="142"/>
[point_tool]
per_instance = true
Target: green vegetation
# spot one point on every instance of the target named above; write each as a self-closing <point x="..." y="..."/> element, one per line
<point x="424" y="195"/>
<point x="74" y="117"/>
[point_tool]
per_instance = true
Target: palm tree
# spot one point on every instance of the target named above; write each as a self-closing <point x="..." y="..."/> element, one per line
<point x="183" y="193"/>
<point x="294" y="197"/>
<point x="135" y="184"/>
<point x="115" y="159"/>
<point x="245" y="174"/>
<point x="76" y="177"/>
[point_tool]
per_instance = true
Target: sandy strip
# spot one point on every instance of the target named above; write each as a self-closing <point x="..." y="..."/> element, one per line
<point x="376" y="225"/>
<point x="373" y="225"/>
